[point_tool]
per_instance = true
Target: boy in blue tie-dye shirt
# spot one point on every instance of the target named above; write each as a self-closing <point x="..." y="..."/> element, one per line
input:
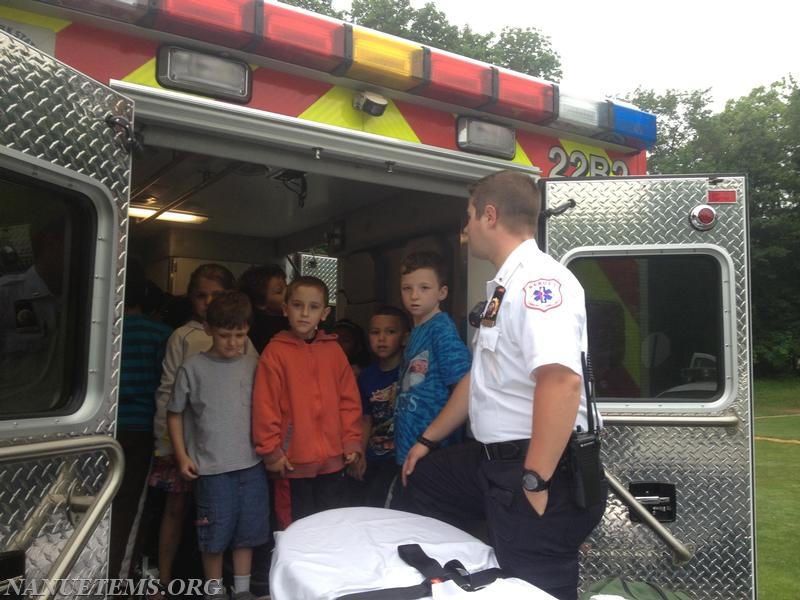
<point x="435" y="358"/>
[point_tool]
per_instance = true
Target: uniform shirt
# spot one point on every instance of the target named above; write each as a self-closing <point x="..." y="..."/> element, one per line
<point x="215" y="396"/>
<point x="434" y="359"/>
<point x="541" y="320"/>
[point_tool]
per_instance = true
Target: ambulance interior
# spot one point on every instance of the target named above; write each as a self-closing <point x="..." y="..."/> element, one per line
<point x="253" y="213"/>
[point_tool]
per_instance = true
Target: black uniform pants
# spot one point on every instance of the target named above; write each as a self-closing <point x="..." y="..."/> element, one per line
<point x="311" y="495"/>
<point x="460" y="485"/>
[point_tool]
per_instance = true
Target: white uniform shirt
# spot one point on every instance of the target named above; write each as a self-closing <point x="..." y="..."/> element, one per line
<point x="541" y="321"/>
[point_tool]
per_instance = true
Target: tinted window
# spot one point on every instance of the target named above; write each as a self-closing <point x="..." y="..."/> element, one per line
<point x="655" y="326"/>
<point x="45" y="275"/>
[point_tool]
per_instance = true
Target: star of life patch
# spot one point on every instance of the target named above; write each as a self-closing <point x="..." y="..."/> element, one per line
<point x="542" y="294"/>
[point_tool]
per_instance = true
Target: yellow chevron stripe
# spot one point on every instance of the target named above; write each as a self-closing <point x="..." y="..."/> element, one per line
<point x="521" y="157"/>
<point x="335" y="107"/>
<point x="144" y="75"/>
<point x="29" y="18"/>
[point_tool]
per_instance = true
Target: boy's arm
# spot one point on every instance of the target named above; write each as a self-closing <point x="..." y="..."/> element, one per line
<point x="350" y="412"/>
<point x="186" y="465"/>
<point x="267" y="419"/>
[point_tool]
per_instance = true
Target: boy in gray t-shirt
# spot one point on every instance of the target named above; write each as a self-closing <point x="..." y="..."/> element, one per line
<point x="209" y="420"/>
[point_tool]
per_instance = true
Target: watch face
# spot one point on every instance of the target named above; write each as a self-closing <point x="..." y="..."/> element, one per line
<point x="532" y="482"/>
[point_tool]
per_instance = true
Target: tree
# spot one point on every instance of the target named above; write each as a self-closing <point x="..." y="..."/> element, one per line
<point x="527" y="51"/>
<point x="758" y="135"/>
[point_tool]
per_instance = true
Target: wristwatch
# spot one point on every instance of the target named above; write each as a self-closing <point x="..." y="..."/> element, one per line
<point x="533" y="482"/>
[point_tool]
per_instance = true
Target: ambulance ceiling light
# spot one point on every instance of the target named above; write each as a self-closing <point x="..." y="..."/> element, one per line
<point x="207" y="74"/>
<point x="230" y="23"/>
<point x="302" y="38"/>
<point x="483" y="137"/>
<point x="384" y="60"/>
<point x="129" y="11"/>
<point x="141" y="212"/>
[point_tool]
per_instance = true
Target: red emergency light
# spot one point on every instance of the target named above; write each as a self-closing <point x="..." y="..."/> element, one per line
<point x="129" y="11"/>
<point x="302" y="38"/>
<point x="230" y="23"/>
<point x="455" y="79"/>
<point x="522" y="97"/>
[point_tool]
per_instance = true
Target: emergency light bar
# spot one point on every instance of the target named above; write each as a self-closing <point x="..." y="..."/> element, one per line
<point x="384" y="60"/>
<point x="230" y="23"/>
<point x="580" y="115"/>
<point x="300" y="37"/>
<point x="455" y="79"/>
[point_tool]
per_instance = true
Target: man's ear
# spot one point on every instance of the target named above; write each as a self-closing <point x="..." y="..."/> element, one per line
<point x="490" y="210"/>
<point x="325" y="313"/>
<point x="443" y="292"/>
<point x="284" y="308"/>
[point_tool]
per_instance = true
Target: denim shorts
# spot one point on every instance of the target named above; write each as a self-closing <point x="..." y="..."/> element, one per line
<point x="232" y="509"/>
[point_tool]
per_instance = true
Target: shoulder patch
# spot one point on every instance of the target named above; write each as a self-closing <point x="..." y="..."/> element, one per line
<point x="542" y="294"/>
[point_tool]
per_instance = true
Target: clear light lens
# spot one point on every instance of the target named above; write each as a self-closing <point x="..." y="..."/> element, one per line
<point x="204" y="73"/>
<point x="486" y="138"/>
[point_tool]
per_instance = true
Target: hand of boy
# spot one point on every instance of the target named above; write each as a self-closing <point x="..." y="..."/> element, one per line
<point x="358" y="468"/>
<point x="349" y="459"/>
<point x="187" y="468"/>
<point x="280" y="466"/>
<point x="417" y="452"/>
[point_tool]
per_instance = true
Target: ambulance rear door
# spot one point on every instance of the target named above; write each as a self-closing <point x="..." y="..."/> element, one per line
<point x="664" y="262"/>
<point x="64" y="183"/>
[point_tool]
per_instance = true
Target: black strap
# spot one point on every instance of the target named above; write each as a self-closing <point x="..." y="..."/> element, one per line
<point x="592" y="420"/>
<point x="454" y="570"/>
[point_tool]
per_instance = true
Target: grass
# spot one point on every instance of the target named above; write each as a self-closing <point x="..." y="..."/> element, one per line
<point x="777" y="488"/>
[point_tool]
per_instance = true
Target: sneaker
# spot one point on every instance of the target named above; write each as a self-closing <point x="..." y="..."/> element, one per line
<point x="248" y="595"/>
<point x="223" y="595"/>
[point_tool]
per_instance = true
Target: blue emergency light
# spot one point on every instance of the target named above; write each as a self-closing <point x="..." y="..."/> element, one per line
<point x="630" y="126"/>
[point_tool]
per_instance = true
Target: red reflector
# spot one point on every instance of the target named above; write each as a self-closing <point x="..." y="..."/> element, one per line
<point x="523" y="97"/>
<point x="721" y="196"/>
<point x="230" y="23"/>
<point x="458" y="80"/>
<point x="302" y="38"/>
<point x="705" y="216"/>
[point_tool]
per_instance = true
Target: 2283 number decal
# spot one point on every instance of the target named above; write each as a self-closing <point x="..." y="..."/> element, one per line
<point x="582" y="164"/>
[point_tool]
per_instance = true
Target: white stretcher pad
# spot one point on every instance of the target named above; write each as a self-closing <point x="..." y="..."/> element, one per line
<point x="348" y="550"/>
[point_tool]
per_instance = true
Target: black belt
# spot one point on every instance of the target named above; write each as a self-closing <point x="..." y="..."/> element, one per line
<point x="509" y="450"/>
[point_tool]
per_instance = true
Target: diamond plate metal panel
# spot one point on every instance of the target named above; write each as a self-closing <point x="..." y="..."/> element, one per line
<point x="711" y="466"/>
<point x="50" y="112"/>
<point x="324" y="267"/>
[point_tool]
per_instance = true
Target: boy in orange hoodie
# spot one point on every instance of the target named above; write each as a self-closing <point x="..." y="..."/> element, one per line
<point x="306" y="404"/>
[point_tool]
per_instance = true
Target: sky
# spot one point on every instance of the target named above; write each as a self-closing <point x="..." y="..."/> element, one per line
<point x="610" y="48"/>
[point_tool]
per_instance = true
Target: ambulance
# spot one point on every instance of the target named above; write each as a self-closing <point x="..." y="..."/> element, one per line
<point x="245" y="132"/>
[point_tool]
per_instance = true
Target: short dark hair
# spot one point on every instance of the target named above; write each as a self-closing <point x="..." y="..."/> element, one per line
<point x="230" y="310"/>
<point x="214" y="272"/>
<point x="515" y="195"/>
<point x="425" y="259"/>
<point x="392" y="311"/>
<point x="253" y="281"/>
<point x="308" y="281"/>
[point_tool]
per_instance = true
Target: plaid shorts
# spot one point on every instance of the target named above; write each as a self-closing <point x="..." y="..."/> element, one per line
<point x="165" y="476"/>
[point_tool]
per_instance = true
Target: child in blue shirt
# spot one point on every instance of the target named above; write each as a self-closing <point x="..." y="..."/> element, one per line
<point x="435" y="358"/>
<point x="388" y="333"/>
